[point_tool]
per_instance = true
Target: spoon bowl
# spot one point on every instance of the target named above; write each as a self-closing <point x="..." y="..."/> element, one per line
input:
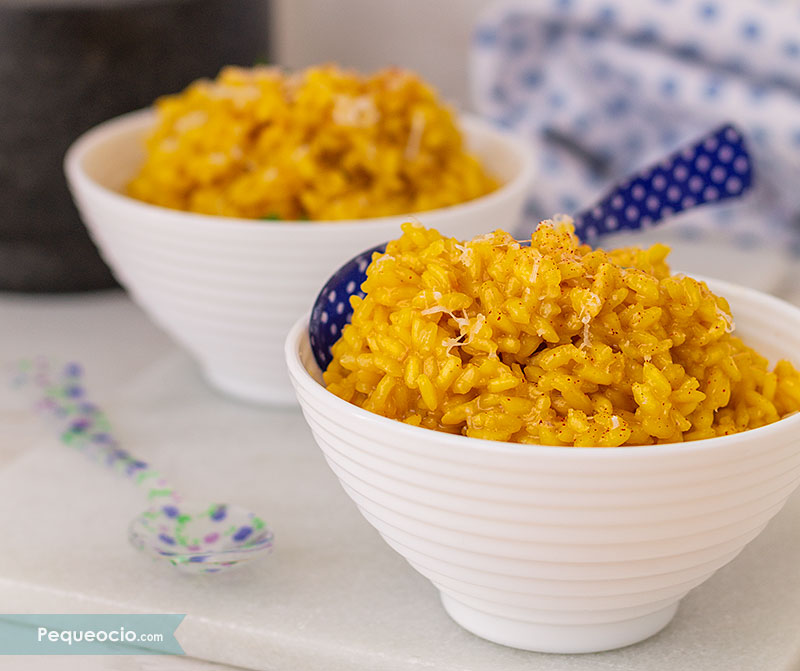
<point x="200" y="538"/>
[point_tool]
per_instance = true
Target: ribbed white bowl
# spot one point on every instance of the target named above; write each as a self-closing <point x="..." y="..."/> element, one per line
<point x="229" y="289"/>
<point x="561" y="549"/>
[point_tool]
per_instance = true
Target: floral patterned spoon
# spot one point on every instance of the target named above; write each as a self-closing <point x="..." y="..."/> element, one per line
<point x="195" y="538"/>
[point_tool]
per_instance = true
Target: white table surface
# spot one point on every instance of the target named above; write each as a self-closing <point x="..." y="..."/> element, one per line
<point x="332" y="597"/>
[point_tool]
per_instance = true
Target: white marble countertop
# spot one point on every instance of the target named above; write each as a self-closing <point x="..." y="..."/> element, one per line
<point x="332" y="597"/>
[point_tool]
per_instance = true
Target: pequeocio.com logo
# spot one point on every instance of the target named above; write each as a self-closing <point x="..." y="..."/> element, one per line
<point x="118" y="634"/>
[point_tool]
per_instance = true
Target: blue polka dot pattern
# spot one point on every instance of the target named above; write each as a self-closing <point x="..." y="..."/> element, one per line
<point x="708" y="11"/>
<point x="792" y="49"/>
<point x="715" y="168"/>
<point x="517" y="43"/>
<point x="557" y="100"/>
<point x="532" y="78"/>
<point x="689" y="51"/>
<point x="332" y="310"/>
<point x="751" y="30"/>
<point x="669" y="87"/>
<point x="618" y="106"/>
<point x="640" y="78"/>
<point x="485" y="37"/>
<point x="646" y="35"/>
<point x="607" y="15"/>
<point x="499" y="93"/>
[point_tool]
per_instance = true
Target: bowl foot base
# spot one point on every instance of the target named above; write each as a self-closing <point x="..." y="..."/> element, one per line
<point x="278" y="392"/>
<point x="539" y="637"/>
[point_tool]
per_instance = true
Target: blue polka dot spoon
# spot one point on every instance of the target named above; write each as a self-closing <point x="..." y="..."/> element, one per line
<point x="714" y="168"/>
<point x="195" y="538"/>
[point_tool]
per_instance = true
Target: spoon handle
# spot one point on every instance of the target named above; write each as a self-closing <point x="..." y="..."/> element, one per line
<point x="82" y="425"/>
<point x="713" y="168"/>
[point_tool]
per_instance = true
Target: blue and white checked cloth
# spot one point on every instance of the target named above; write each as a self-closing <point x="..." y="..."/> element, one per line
<point x="605" y="86"/>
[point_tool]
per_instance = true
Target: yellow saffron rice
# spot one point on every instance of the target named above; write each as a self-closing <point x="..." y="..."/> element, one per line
<point x="321" y="144"/>
<point x="552" y="344"/>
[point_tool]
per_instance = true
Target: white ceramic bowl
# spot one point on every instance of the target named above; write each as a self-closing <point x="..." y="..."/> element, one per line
<point x="229" y="289"/>
<point x="562" y="549"/>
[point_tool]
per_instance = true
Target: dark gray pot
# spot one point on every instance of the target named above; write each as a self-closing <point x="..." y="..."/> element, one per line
<point x="66" y="66"/>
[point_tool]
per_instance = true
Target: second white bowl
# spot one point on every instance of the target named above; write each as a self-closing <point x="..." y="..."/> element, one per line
<point x="229" y="289"/>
